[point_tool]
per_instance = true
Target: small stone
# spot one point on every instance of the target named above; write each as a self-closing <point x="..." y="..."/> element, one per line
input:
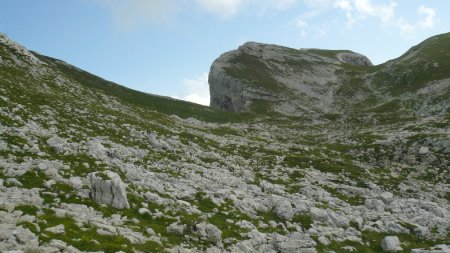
<point x="176" y="228"/>
<point x="424" y="150"/>
<point x="56" y="229"/>
<point x="58" y="244"/>
<point x="144" y="211"/>
<point x="387" y="197"/>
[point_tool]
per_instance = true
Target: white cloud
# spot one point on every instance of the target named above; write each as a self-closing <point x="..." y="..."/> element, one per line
<point x="282" y="4"/>
<point x="222" y="8"/>
<point x="226" y="9"/>
<point x="131" y="13"/>
<point x="358" y="11"/>
<point x="427" y="19"/>
<point x="197" y="89"/>
<point x="429" y="16"/>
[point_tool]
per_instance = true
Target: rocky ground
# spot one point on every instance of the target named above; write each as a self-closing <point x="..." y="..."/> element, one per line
<point x="83" y="170"/>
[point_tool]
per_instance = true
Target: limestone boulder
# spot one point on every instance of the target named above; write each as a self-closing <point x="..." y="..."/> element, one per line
<point x="108" y="188"/>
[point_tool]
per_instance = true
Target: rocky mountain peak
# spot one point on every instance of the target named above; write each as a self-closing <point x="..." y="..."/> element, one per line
<point x="265" y="78"/>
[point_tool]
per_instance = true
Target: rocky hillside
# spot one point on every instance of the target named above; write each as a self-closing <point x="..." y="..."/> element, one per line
<point x="87" y="165"/>
<point x="275" y="79"/>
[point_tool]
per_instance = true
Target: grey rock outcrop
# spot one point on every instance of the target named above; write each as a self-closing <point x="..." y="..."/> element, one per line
<point x="354" y="59"/>
<point x="208" y="232"/>
<point x="283" y="208"/>
<point x="391" y="244"/>
<point x="294" y="242"/>
<point x="276" y="78"/>
<point x="108" y="188"/>
<point x="226" y="92"/>
<point x="437" y="249"/>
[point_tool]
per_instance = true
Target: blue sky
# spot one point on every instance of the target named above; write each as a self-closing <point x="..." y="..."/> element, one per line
<point x="166" y="47"/>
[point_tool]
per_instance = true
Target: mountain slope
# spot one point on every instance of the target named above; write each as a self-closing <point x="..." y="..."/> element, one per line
<point x="76" y="151"/>
<point x="269" y="78"/>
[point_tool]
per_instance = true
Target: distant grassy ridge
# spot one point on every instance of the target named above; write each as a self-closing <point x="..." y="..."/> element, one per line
<point x="165" y="105"/>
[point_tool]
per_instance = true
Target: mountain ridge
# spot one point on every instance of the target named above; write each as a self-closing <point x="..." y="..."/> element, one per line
<point x="292" y="71"/>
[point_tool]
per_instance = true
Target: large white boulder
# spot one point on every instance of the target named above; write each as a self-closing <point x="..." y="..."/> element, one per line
<point x="108" y="188"/>
<point x="283" y="208"/>
<point x="391" y="244"/>
<point x="294" y="242"/>
<point x="208" y="232"/>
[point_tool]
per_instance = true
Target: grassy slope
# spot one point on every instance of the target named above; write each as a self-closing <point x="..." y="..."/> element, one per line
<point x="331" y="161"/>
<point x="160" y="104"/>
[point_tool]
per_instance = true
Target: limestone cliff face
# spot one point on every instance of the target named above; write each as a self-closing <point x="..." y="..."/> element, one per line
<point x="273" y="78"/>
<point x="226" y="92"/>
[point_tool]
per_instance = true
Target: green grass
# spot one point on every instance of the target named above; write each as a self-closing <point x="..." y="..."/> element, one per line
<point x="353" y="200"/>
<point x="86" y="238"/>
<point x="27" y="209"/>
<point x="204" y="203"/>
<point x="303" y="219"/>
<point x="33" y="179"/>
<point x="164" y="105"/>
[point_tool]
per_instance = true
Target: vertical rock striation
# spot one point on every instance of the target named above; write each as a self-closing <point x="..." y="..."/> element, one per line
<point x="108" y="188"/>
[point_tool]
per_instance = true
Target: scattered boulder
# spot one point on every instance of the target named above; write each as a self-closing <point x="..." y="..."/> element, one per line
<point x="375" y="204"/>
<point x="424" y="150"/>
<point x="59" y="229"/>
<point x="108" y="188"/>
<point x="208" y="232"/>
<point x="442" y="248"/>
<point x="294" y="242"/>
<point x="386" y="197"/>
<point x="176" y="228"/>
<point x="96" y="149"/>
<point x="318" y="214"/>
<point x="283" y="208"/>
<point x="391" y="244"/>
<point x="57" y="143"/>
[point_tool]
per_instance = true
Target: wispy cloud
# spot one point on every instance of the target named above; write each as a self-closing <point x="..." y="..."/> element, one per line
<point x="133" y="13"/>
<point x="428" y="17"/>
<point x="197" y="89"/>
<point x="356" y="12"/>
<point x="226" y="9"/>
<point x="223" y="8"/>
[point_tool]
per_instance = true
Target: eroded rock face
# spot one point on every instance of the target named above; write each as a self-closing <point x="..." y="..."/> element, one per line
<point x="226" y="92"/>
<point x="108" y="188"/>
<point x="354" y="59"/>
<point x="276" y="78"/>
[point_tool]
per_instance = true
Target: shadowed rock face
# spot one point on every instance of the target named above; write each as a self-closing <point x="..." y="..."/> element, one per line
<point x="229" y="94"/>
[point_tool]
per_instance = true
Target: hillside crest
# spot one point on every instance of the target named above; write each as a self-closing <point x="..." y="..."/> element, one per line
<point x="266" y="78"/>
